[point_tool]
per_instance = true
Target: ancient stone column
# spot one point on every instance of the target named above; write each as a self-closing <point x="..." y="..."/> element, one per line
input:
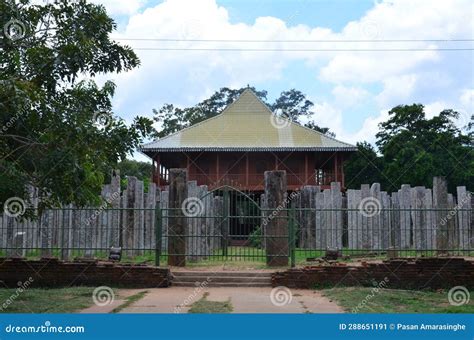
<point x="464" y="217"/>
<point x="440" y="203"/>
<point x="178" y="192"/>
<point x="277" y="224"/>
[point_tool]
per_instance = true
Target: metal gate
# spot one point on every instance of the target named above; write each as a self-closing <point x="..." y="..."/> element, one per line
<point x="223" y="225"/>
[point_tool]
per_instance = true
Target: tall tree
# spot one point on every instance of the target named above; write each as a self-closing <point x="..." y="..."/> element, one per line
<point x="58" y="133"/>
<point x="364" y="167"/>
<point x="416" y="148"/>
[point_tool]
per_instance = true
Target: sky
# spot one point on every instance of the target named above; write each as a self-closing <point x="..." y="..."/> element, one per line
<point x="352" y="90"/>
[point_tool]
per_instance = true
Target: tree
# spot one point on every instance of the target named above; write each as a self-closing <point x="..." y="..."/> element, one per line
<point x="415" y="148"/>
<point x="291" y="104"/>
<point x="58" y="133"/>
<point x="364" y="167"/>
<point x="312" y="125"/>
<point x="140" y="170"/>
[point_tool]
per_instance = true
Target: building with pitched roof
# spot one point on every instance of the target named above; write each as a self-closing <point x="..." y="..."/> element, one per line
<point x="237" y="146"/>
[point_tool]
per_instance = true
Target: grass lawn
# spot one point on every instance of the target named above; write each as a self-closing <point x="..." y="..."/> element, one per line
<point x="204" y="306"/>
<point x="36" y="300"/>
<point x="395" y="301"/>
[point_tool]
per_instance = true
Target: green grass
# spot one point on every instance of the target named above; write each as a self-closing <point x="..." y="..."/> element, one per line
<point x="36" y="300"/>
<point x="130" y="300"/>
<point x="395" y="301"/>
<point x="204" y="306"/>
<point x="236" y="257"/>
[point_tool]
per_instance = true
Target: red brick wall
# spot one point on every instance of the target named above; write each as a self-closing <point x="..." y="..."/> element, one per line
<point x="55" y="273"/>
<point x="405" y="274"/>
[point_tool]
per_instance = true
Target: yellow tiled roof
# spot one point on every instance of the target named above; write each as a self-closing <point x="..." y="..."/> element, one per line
<point x="246" y="125"/>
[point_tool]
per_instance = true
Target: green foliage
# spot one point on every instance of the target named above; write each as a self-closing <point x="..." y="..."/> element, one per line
<point x="364" y="167"/>
<point x="291" y="104"/>
<point x="54" y="300"/>
<point x="255" y="238"/>
<point x="355" y="299"/>
<point x="140" y="170"/>
<point x="413" y="149"/>
<point x="204" y="306"/>
<point x="58" y="133"/>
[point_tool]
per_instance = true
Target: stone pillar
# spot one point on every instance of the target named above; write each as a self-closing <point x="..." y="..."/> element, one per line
<point x="165" y="213"/>
<point x="336" y="216"/>
<point x="395" y="222"/>
<point x="192" y="248"/>
<point x="320" y="221"/>
<point x="385" y="225"/>
<point x="374" y="221"/>
<point x="177" y="221"/>
<point x="149" y="223"/>
<point x="464" y="217"/>
<point x="277" y="226"/>
<point x="19" y="244"/>
<point x="114" y="232"/>
<point x="418" y="217"/>
<point x="405" y="220"/>
<point x="129" y="226"/>
<point x="365" y="228"/>
<point x="45" y="234"/>
<point x="308" y="230"/>
<point x="440" y="203"/>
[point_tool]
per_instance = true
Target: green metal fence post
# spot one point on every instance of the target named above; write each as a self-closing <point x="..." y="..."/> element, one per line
<point x="158" y="235"/>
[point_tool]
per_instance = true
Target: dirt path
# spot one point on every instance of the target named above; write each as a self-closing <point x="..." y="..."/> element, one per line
<point x="243" y="300"/>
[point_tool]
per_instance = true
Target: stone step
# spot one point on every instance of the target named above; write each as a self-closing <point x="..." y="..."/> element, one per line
<point x="222" y="279"/>
<point x="221" y="274"/>
<point x="223" y="284"/>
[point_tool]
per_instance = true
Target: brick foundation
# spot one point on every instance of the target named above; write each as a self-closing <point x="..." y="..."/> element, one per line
<point x="430" y="273"/>
<point x="56" y="273"/>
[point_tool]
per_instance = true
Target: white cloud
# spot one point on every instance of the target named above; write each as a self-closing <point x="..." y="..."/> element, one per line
<point x="467" y="98"/>
<point x="434" y="108"/>
<point x="383" y="78"/>
<point x="122" y="7"/>
<point x="368" y="131"/>
<point x="396" y="90"/>
<point x="349" y="96"/>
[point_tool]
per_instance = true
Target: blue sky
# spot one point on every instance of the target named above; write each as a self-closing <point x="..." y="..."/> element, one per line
<point x="352" y="90"/>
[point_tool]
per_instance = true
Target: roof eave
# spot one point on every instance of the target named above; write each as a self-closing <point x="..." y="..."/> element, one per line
<point x="148" y="151"/>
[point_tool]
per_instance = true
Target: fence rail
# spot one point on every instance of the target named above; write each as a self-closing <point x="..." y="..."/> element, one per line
<point x="90" y="233"/>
